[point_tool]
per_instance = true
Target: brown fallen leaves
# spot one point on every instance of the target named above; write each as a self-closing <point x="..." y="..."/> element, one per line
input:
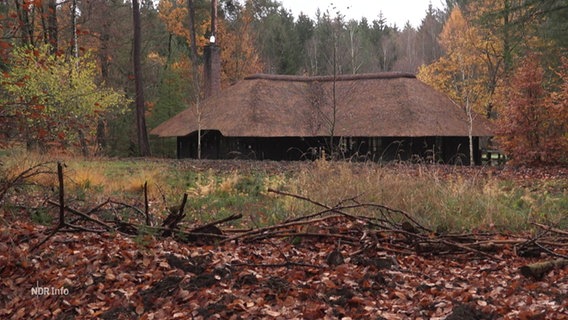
<point x="111" y="276"/>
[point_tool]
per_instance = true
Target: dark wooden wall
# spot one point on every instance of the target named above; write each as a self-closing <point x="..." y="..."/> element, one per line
<point x="449" y="150"/>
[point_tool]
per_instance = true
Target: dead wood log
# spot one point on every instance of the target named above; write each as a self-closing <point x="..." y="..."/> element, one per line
<point x="174" y="218"/>
<point x="538" y="270"/>
<point x="441" y="246"/>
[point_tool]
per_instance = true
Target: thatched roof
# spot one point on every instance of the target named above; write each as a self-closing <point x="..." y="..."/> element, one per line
<point x="385" y="104"/>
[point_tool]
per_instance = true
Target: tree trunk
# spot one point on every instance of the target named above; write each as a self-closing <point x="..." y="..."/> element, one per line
<point x="199" y="137"/>
<point x="103" y="53"/>
<point x="192" y="32"/>
<point x="83" y="143"/>
<point x="214" y="18"/>
<point x="48" y="22"/>
<point x="26" y="26"/>
<point x="142" y="133"/>
<point x="52" y="25"/>
<point x="470" y="131"/>
<point x="332" y="147"/>
<point x="74" y="46"/>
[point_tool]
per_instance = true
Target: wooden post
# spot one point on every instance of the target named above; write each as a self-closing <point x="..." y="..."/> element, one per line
<point x="61" y="195"/>
<point x="146" y="205"/>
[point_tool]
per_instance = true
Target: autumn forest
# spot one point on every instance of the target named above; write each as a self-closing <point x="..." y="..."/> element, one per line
<point x="69" y="81"/>
<point x="98" y="222"/>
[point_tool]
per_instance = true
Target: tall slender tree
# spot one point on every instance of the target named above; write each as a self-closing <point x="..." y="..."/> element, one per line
<point x="52" y="24"/>
<point x="428" y="35"/>
<point x="142" y="131"/>
<point x="192" y="31"/>
<point x="74" y="47"/>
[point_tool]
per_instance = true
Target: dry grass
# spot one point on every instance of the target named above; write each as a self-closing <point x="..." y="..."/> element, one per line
<point x="441" y="198"/>
<point x="17" y="162"/>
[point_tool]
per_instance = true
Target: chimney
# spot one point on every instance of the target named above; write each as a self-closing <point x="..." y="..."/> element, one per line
<point x="212" y="58"/>
<point x="212" y="72"/>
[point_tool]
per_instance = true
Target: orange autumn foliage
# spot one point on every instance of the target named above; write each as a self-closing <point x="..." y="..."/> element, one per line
<point x="174" y="14"/>
<point x="532" y="128"/>
<point x="239" y="56"/>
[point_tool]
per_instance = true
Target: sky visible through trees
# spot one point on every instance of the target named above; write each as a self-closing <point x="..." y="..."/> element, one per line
<point x="396" y="12"/>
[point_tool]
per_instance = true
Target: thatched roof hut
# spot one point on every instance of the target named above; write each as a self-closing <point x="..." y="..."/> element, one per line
<point x="367" y="105"/>
<point x="383" y="105"/>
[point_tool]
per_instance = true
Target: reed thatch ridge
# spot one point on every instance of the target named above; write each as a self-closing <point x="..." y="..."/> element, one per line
<point x="366" y="105"/>
<point x="344" y="77"/>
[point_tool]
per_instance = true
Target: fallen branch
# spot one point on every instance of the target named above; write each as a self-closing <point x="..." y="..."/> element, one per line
<point x="205" y="233"/>
<point x="551" y="229"/>
<point x="22" y="176"/>
<point x="81" y="214"/>
<point x="549" y="251"/>
<point x="538" y="270"/>
<point x="214" y="223"/>
<point x="274" y="227"/>
<point x="409" y="228"/>
<point x="340" y="209"/>
<point x="277" y="265"/>
<point x="92" y="210"/>
<point x="198" y="237"/>
<point x="129" y="206"/>
<point x="62" y="225"/>
<point x="309" y="235"/>
<point x="467" y="248"/>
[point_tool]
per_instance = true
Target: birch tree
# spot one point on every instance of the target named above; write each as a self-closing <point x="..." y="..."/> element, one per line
<point x="461" y="73"/>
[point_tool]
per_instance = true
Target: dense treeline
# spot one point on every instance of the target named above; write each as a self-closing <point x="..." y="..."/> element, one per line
<point x="255" y="36"/>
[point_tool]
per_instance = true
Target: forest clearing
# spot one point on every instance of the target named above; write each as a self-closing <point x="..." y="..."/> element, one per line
<point x="281" y="240"/>
<point x="393" y="212"/>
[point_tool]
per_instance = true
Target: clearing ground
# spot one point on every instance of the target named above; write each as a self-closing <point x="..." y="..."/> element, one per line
<point x="271" y="240"/>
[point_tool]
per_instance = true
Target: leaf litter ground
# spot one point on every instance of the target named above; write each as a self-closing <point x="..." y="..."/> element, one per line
<point x="332" y="268"/>
<point x="111" y="276"/>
